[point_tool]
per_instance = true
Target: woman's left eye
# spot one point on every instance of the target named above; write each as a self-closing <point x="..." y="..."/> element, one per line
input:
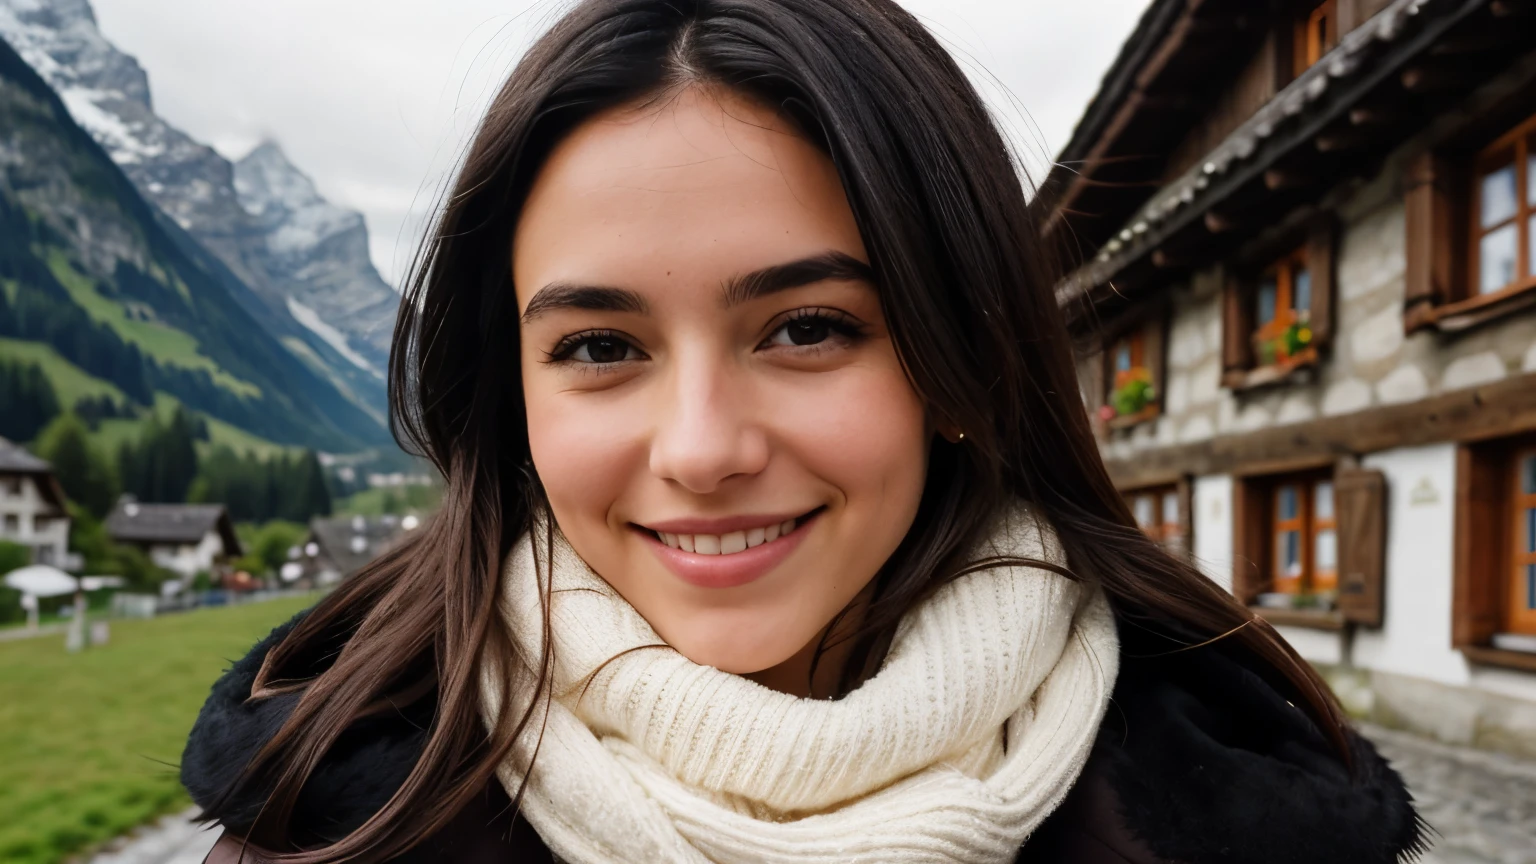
<point x="810" y="330"/>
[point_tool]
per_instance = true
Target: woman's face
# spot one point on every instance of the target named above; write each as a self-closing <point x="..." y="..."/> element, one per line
<point x="715" y="407"/>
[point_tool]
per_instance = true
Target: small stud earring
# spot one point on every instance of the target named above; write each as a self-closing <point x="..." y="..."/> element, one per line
<point x="960" y="437"/>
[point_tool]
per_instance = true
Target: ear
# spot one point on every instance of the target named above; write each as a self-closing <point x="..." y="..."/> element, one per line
<point x="951" y="432"/>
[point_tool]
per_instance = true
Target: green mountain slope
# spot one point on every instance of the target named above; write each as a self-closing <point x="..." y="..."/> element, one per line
<point x="120" y="292"/>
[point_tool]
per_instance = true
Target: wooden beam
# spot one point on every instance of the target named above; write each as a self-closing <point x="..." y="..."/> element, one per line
<point x="1368" y="116"/>
<point x="1432" y="78"/>
<point x="1217" y="223"/>
<point x="1509" y="8"/>
<point x="1276" y="179"/>
<point x="1334" y="142"/>
<point x="1494" y="410"/>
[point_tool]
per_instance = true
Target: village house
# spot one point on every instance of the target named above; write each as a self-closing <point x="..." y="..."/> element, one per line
<point x="32" y="508"/>
<point x="1305" y="296"/>
<point x="339" y="546"/>
<point x="186" y="539"/>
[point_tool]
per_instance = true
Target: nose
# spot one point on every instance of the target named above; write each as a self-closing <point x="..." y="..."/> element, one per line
<point x="705" y="431"/>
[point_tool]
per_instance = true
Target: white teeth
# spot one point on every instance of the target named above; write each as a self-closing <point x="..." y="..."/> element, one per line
<point x="727" y="544"/>
<point x="734" y="542"/>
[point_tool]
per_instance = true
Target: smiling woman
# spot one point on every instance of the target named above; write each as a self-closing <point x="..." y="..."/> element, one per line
<point x="733" y="372"/>
<point x="774" y="528"/>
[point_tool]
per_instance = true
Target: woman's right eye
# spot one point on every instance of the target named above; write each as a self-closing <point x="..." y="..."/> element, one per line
<point x="595" y="349"/>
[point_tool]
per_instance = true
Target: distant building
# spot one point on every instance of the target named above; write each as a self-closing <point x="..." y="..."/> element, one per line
<point x="1307" y="323"/>
<point x="183" y="538"/>
<point x="32" y="511"/>
<point x="338" y="547"/>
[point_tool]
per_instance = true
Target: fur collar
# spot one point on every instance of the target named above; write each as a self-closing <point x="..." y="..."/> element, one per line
<point x="1206" y="763"/>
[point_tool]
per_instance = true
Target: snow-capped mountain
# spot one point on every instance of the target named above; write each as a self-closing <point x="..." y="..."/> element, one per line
<point x="305" y="258"/>
<point x="318" y="255"/>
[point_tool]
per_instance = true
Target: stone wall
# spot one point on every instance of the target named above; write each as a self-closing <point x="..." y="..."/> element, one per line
<point x="1371" y="361"/>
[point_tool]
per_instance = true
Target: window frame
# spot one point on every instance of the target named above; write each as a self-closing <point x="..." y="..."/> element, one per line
<point x="1442" y="200"/>
<point x="1488" y="510"/>
<point x="1174" y="536"/>
<point x="1145" y="338"/>
<point x="1512" y="148"/>
<point x="1258" y="526"/>
<point x="1519" y="612"/>
<point x="1311" y="246"/>
<point x="1307" y="47"/>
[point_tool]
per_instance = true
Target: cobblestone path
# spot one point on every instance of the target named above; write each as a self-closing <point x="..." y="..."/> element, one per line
<point x="1483" y="805"/>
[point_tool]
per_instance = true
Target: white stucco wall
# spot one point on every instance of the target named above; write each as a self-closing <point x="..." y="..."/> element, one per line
<point x="1213" y="528"/>
<point x="1316" y="646"/>
<point x="187" y="559"/>
<point x="1416" y="638"/>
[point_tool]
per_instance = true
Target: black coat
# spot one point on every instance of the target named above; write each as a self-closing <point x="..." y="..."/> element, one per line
<point x="1198" y="761"/>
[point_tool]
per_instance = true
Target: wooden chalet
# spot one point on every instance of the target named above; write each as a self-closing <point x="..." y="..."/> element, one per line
<point x="1305" y="296"/>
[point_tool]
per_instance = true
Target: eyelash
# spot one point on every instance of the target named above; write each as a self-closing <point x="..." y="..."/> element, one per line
<point x="841" y="324"/>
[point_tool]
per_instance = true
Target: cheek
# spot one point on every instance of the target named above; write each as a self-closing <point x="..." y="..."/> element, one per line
<point x="865" y="433"/>
<point x="583" y="452"/>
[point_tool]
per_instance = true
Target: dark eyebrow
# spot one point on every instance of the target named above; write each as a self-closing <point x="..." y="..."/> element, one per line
<point x="740" y="289"/>
<point x="806" y="271"/>
<point x="597" y="298"/>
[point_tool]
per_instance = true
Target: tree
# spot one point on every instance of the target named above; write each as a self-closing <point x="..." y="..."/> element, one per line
<point x="313" y="498"/>
<point x="28" y="399"/>
<point x="13" y="556"/>
<point x="86" y="476"/>
<point x="274" y="539"/>
<point x="163" y="463"/>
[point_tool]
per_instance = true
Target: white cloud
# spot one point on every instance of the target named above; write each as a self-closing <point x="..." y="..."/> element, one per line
<point x="374" y="99"/>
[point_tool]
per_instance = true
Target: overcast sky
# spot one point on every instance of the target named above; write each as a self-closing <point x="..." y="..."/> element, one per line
<point x="375" y="99"/>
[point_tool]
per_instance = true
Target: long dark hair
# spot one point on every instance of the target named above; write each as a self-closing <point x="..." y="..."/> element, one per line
<point x="964" y="286"/>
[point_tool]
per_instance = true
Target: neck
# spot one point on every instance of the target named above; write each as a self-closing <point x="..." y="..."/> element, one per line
<point x="795" y="675"/>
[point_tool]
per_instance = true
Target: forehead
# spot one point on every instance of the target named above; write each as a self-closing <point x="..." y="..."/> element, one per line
<point x="695" y="189"/>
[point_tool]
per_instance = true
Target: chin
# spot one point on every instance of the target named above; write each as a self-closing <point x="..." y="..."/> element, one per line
<point x="731" y="646"/>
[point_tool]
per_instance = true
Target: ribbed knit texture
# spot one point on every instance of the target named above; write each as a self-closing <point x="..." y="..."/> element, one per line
<point x="971" y="733"/>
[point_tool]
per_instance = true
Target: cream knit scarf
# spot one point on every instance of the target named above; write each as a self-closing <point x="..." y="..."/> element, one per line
<point x="971" y="733"/>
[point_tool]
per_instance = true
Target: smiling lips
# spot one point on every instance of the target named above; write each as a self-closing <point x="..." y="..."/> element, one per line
<point x="730" y="557"/>
<point x="727" y="544"/>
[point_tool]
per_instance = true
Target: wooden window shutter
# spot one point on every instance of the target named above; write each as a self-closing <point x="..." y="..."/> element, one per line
<point x="1360" y="502"/>
<point x="1431" y="266"/>
<point x="1480" y="515"/>
<point x="1321" y="245"/>
<point x="1236" y="344"/>
<point x="1186" y="493"/>
<point x="1154" y="353"/>
<point x="1250" y="547"/>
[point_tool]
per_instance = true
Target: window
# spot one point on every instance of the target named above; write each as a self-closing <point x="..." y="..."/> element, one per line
<point x="1305" y="538"/>
<point x="1283" y="311"/>
<point x="1471" y="232"/>
<point x="1133" y="372"/>
<point x="1159" y="512"/>
<point x="1504" y="214"/>
<point x="1317" y="31"/>
<point x="12" y="524"/>
<point x="1277" y="312"/>
<point x="1310" y="545"/>
<point x="11" y="486"/>
<point x="1494" y="613"/>
<point x="1520" y="606"/>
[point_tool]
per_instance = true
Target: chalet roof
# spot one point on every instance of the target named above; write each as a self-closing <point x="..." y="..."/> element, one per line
<point x="1367" y="58"/>
<point x="350" y="542"/>
<point x="133" y="522"/>
<point x="15" y="460"/>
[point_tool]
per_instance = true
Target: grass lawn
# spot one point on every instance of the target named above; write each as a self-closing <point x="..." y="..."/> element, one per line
<point x="162" y="342"/>
<point x="89" y="743"/>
